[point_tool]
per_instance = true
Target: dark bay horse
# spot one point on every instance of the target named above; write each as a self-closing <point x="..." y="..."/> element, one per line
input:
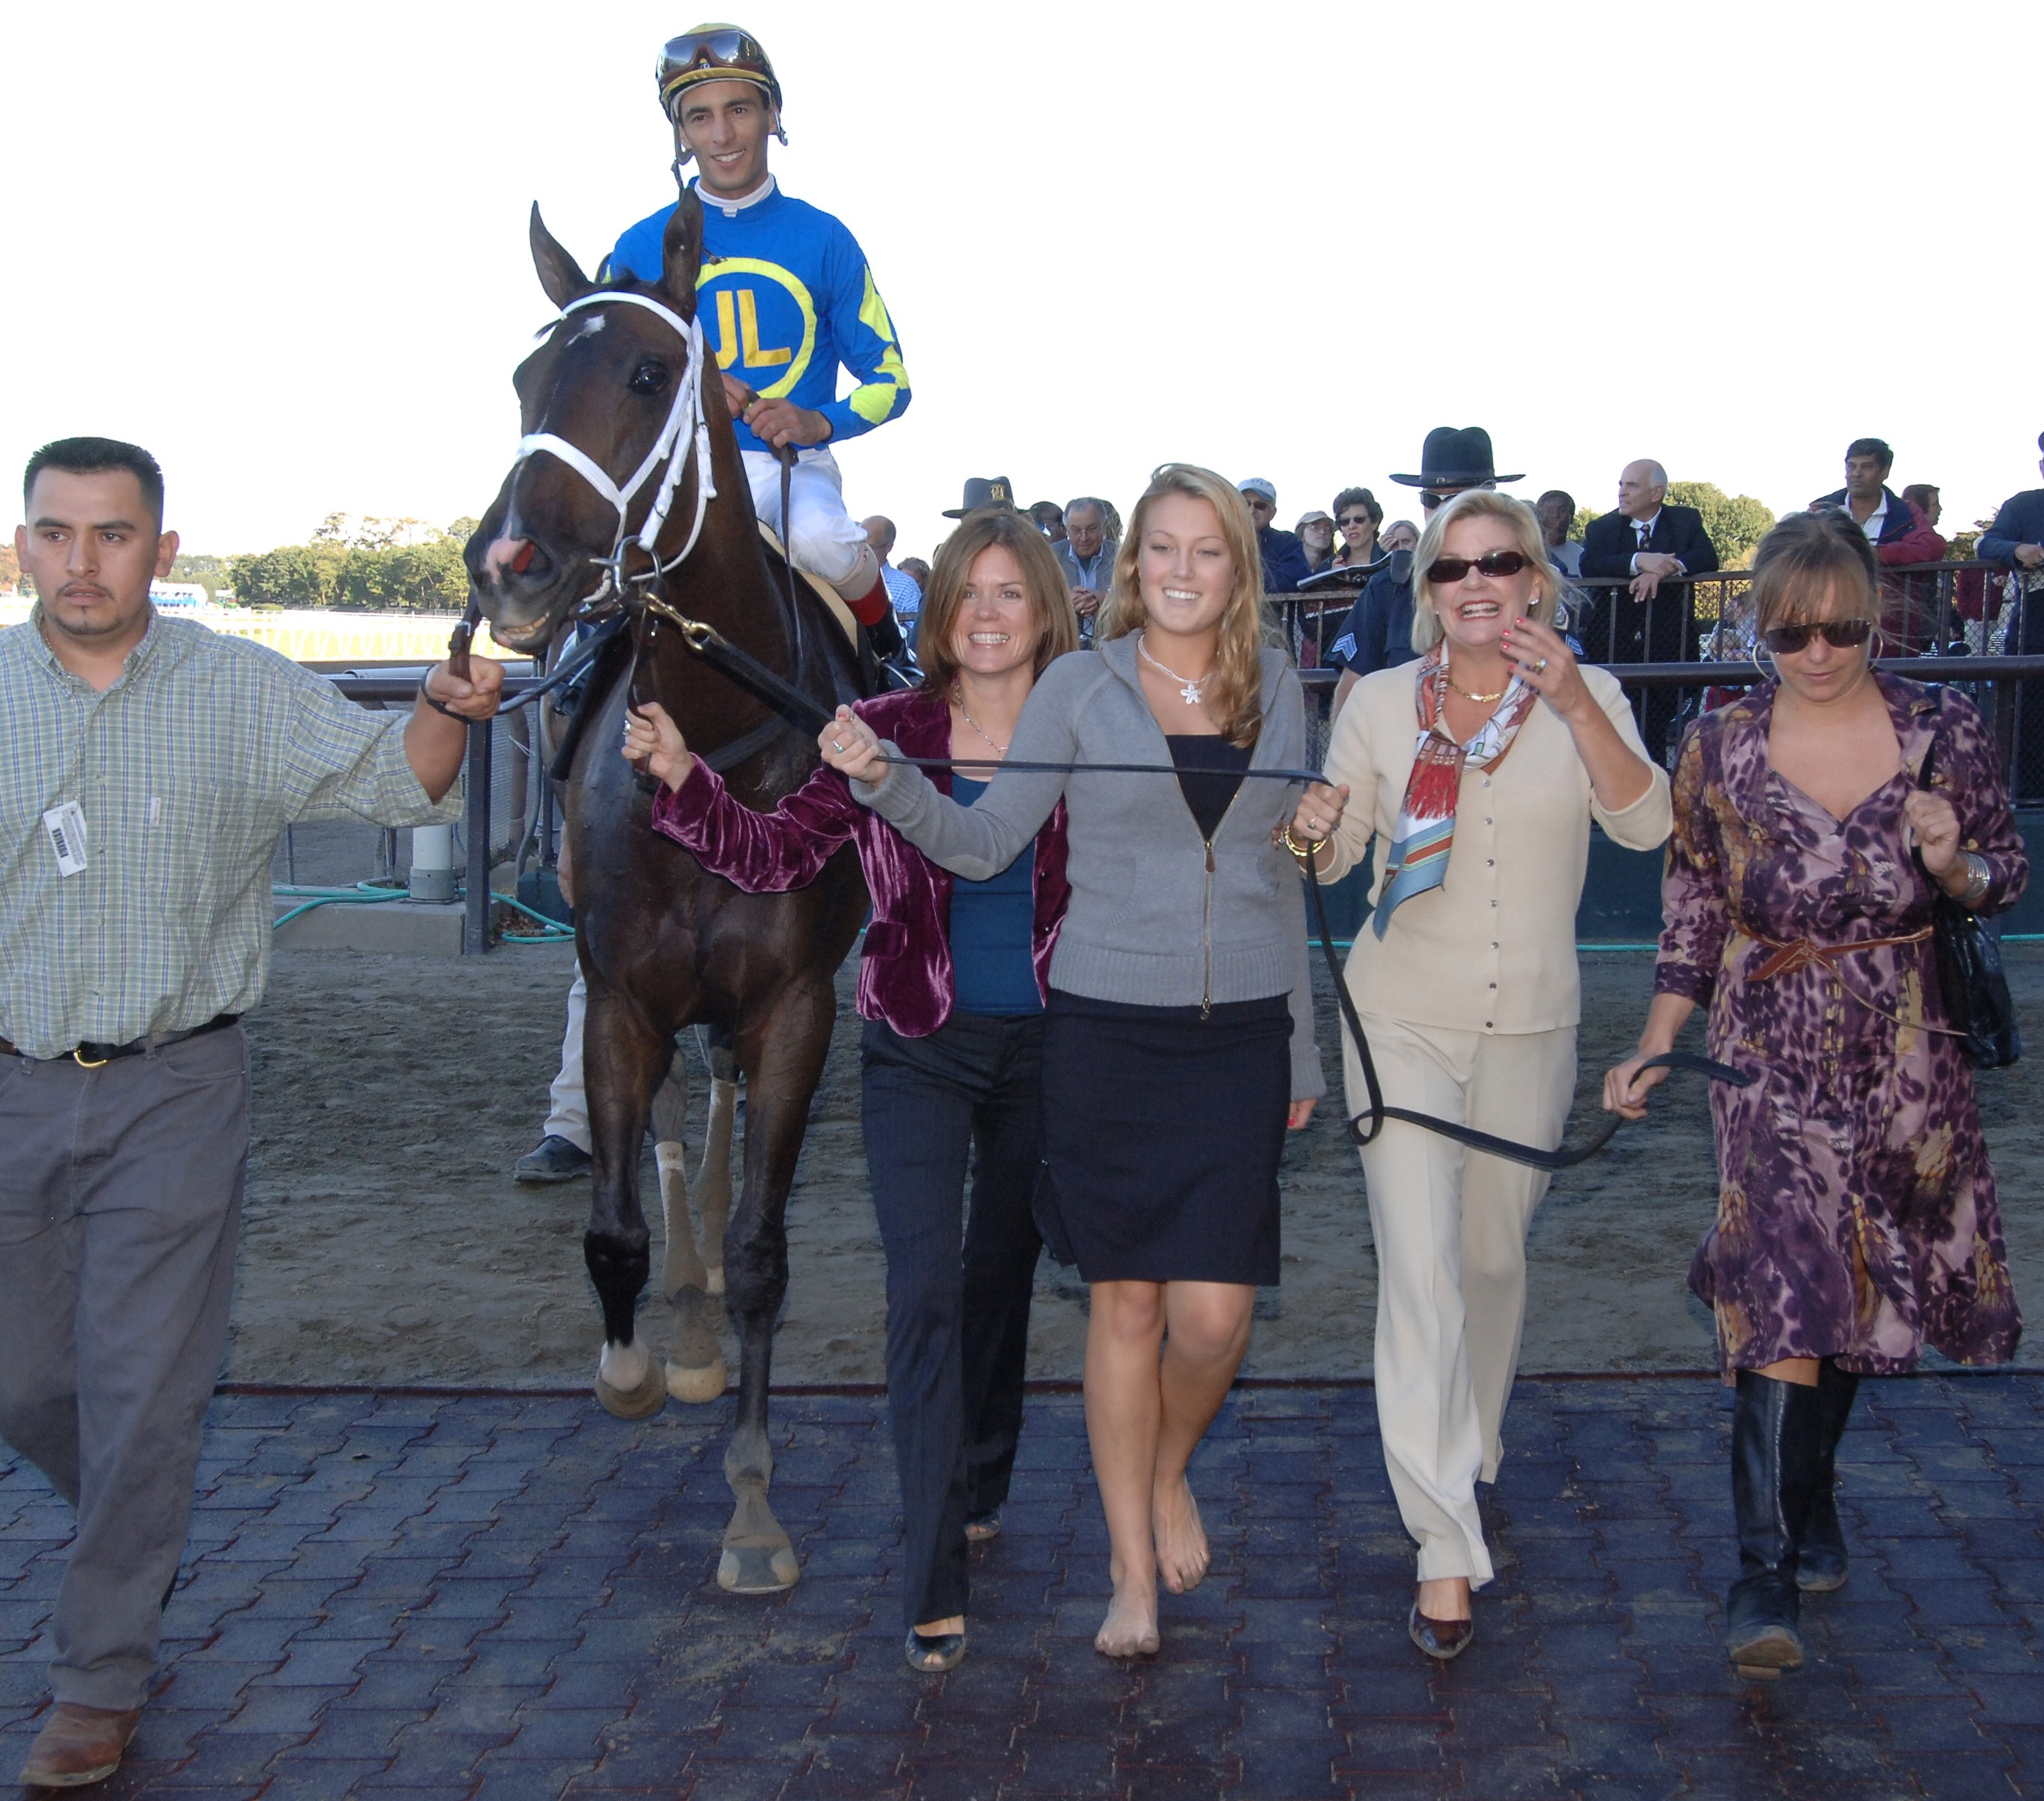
<point x="593" y="509"/>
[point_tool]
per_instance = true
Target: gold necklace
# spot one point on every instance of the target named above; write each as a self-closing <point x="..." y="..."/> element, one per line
<point x="1481" y="700"/>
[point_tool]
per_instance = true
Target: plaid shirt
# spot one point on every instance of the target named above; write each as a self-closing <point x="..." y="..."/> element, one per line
<point x="188" y="769"/>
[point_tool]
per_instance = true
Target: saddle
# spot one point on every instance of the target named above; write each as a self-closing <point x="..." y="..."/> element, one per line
<point x="833" y="601"/>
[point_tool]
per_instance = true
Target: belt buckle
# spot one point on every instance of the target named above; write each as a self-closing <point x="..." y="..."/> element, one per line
<point x="79" y="1058"/>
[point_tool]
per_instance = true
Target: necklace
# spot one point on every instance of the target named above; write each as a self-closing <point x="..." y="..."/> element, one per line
<point x="1481" y="700"/>
<point x="1192" y="690"/>
<point x="974" y="724"/>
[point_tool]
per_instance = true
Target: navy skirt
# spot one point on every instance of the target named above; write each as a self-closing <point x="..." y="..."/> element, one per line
<point x="1162" y="1130"/>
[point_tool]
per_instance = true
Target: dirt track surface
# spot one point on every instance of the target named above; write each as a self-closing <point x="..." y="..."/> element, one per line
<point x="385" y="1241"/>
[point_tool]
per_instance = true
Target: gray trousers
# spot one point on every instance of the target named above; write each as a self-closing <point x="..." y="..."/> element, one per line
<point x="120" y="1205"/>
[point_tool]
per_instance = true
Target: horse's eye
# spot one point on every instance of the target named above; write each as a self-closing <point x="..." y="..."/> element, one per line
<point x="649" y="378"/>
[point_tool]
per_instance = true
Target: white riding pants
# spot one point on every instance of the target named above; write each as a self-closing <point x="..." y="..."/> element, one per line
<point x="822" y="537"/>
<point x="567" y="1105"/>
<point x="1451" y="1229"/>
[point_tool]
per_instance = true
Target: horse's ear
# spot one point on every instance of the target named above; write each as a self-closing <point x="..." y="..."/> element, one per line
<point x="559" y="274"/>
<point x="681" y="254"/>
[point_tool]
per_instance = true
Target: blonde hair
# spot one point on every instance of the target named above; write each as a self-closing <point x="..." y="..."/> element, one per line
<point x="1481" y="503"/>
<point x="1234" y="691"/>
<point x="1043" y="578"/>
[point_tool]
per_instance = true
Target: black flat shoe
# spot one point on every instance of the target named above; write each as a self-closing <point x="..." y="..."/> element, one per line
<point x="1442" y="1639"/>
<point x="553" y="1159"/>
<point x="931" y="1653"/>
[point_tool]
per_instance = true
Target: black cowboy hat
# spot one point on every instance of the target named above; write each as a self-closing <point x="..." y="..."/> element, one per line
<point x="983" y="491"/>
<point x="1450" y="459"/>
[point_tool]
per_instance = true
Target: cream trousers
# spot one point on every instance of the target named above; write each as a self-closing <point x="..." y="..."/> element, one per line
<point x="1451" y="1229"/>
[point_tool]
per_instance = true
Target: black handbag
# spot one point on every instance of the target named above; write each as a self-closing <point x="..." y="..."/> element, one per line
<point x="1969" y="975"/>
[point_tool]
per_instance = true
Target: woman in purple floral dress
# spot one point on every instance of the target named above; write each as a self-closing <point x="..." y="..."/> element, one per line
<point x="1857" y="1216"/>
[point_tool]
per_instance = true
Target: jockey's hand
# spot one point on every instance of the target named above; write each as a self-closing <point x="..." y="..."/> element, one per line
<point x="653" y="743"/>
<point x="849" y="746"/>
<point x="737" y="396"/>
<point x="476" y="697"/>
<point x="780" y="423"/>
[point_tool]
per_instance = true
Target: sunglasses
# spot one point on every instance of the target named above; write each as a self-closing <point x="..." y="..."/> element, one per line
<point x="1446" y="571"/>
<point x="1347" y="520"/>
<point x="1840" y="634"/>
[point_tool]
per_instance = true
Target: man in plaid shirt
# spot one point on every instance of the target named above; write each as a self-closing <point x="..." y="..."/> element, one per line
<point x="148" y="766"/>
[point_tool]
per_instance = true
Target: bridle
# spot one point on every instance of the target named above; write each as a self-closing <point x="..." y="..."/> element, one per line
<point x="685" y="420"/>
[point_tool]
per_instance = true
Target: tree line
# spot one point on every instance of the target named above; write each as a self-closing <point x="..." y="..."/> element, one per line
<point x="367" y="565"/>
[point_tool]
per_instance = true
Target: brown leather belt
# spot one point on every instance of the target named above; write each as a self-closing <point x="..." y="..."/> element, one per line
<point x="1803" y="953"/>
<point x="90" y="1056"/>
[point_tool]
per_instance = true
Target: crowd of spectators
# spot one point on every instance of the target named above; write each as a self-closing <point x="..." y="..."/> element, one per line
<point x="1630" y="572"/>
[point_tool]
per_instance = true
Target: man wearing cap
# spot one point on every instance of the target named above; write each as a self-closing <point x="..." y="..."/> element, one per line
<point x="786" y="297"/>
<point x="1285" y="564"/>
<point x="1378" y="631"/>
<point x="149" y="766"/>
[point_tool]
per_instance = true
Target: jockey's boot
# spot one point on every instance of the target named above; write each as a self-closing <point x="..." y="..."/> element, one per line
<point x="1774" y="1452"/>
<point x="1820" y="1554"/>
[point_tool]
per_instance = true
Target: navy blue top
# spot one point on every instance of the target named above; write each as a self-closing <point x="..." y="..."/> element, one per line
<point x="991" y="921"/>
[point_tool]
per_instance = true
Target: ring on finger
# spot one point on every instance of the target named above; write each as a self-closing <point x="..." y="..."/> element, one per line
<point x="1540" y="665"/>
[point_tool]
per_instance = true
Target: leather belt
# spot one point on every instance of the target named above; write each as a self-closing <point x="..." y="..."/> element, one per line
<point x="1803" y="953"/>
<point x="90" y="1056"/>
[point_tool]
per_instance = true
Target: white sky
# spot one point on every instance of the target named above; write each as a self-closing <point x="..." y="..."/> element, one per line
<point x="285" y="248"/>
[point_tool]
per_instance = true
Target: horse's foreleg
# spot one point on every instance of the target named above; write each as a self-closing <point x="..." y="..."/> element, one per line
<point x="783" y="1057"/>
<point x="712" y="1195"/>
<point x="695" y="1371"/>
<point x="624" y="1059"/>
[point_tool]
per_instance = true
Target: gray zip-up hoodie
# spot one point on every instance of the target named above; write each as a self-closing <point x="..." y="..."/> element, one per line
<point x="1158" y="917"/>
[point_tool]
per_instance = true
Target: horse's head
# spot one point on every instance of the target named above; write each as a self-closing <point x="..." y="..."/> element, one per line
<point x="605" y="384"/>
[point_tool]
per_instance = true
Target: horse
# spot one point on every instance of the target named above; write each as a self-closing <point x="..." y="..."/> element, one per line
<point x="628" y="465"/>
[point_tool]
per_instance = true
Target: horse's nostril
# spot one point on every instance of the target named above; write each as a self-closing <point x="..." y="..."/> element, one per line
<point x="523" y="561"/>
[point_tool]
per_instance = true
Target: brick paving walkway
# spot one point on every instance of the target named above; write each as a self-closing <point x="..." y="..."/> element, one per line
<point x="512" y="1596"/>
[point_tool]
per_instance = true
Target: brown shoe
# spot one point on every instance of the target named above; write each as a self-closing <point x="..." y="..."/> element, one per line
<point x="79" y="1745"/>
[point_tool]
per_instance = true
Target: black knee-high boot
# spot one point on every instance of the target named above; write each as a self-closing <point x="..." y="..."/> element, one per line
<point x="1820" y="1554"/>
<point x="1774" y="1450"/>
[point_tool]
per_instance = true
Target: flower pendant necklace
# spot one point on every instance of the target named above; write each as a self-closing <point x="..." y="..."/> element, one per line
<point x="1192" y="692"/>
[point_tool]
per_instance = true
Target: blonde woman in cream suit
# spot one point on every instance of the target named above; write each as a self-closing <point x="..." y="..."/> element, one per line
<point x="1478" y="771"/>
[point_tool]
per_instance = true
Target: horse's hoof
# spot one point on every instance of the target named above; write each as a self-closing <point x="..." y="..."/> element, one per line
<point x="757" y="1569"/>
<point x="697" y="1386"/>
<point x="640" y="1402"/>
<point x="715" y="1285"/>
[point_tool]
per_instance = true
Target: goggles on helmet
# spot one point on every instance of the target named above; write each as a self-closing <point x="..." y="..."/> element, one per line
<point x="712" y="53"/>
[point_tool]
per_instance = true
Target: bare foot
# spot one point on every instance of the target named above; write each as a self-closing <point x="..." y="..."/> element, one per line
<point x="1181" y="1540"/>
<point x="941" y="1628"/>
<point x="1446" y="1599"/>
<point x="1130" y="1629"/>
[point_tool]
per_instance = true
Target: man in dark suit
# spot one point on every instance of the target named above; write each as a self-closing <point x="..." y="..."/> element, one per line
<point x="1650" y="545"/>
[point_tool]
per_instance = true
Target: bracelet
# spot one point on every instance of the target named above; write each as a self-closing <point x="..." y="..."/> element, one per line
<point x="426" y="694"/>
<point x="1979" y="878"/>
<point x="1306" y="853"/>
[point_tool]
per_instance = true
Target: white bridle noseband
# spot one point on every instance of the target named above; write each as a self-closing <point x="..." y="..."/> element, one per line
<point x="685" y="419"/>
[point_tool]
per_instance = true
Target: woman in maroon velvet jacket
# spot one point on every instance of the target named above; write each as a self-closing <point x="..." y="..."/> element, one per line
<point x="952" y="988"/>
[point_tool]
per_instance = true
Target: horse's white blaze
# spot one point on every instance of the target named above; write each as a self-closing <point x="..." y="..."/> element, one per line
<point x="591" y="326"/>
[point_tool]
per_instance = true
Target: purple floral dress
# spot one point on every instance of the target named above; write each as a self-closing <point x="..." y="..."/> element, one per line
<point x="1856" y="1215"/>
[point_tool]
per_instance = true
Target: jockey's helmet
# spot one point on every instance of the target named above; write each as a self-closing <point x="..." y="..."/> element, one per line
<point x="713" y="52"/>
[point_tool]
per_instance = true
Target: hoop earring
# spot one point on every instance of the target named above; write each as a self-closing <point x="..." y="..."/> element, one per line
<point x="1874" y="650"/>
<point x="1766" y="674"/>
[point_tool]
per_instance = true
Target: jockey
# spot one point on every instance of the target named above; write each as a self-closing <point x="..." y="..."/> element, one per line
<point x="784" y="297"/>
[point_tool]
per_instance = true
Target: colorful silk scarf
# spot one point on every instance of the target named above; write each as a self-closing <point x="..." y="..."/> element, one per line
<point x="1425" y="827"/>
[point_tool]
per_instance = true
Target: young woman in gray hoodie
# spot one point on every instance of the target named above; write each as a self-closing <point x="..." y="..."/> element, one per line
<point x="1178" y="1041"/>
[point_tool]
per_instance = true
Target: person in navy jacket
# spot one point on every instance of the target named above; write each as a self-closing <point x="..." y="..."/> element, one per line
<point x="2015" y="541"/>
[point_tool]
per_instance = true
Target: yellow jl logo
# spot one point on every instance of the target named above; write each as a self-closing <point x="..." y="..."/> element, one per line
<point x="738" y="322"/>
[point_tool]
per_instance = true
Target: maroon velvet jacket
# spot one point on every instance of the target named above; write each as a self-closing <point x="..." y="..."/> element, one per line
<point x="905" y="978"/>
